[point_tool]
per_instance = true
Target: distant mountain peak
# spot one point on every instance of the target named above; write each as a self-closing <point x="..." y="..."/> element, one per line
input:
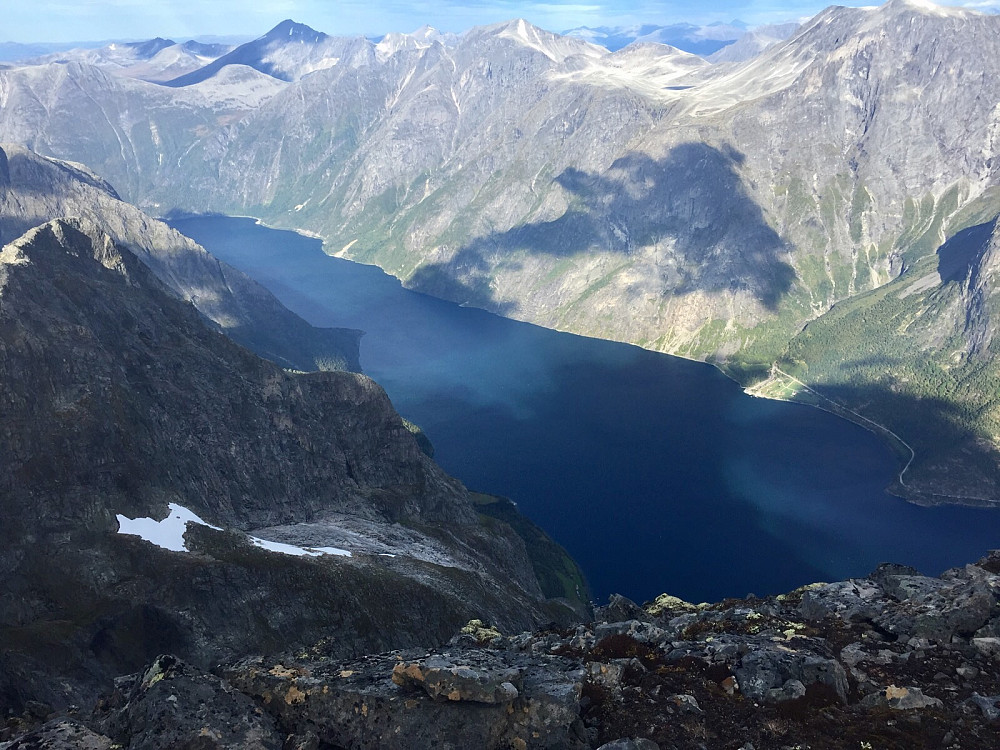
<point x="292" y="31"/>
<point x="150" y="47"/>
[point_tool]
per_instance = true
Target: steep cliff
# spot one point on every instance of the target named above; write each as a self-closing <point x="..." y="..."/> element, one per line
<point x="118" y="402"/>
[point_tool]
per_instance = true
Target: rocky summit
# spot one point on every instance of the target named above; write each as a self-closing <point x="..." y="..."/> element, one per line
<point x="893" y="660"/>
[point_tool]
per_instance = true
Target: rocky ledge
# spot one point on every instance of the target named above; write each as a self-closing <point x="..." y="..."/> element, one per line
<point x="894" y="660"/>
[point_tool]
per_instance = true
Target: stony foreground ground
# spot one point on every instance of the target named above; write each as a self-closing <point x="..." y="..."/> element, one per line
<point x="894" y="660"/>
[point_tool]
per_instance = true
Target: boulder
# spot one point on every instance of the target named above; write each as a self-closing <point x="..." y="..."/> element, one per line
<point x="444" y="679"/>
<point x="765" y="673"/>
<point x="854" y="599"/>
<point x="459" y="697"/>
<point x="173" y="704"/>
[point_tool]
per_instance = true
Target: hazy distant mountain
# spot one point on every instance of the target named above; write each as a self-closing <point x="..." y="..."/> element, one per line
<point x="723" y="207"/>
<point x="152" y="60"/>
<point x="11" y="51"/>
<point x="699" y="40"/>
<point x="753" y="42"/>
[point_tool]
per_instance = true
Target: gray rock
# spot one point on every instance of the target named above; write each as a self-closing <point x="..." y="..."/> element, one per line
<point x="173" y="705"/>
<point x="936" y="610"/>
<point x="987" y="646"/>
<point x="688" y="704"/>
<point x="640" y="743"/>
<point x="620" y="609"/>
<point x="768" y="668"/>
<point x="989" y="705"/>
<point x="791" y="690"/>
<point x="848" y="600"/>
<point x="642" y="631"/>
<point x="60" y="734"/>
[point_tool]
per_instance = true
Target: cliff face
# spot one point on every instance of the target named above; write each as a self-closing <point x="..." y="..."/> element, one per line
<point x="118" y="402"/>
<point x="34" y="189"/>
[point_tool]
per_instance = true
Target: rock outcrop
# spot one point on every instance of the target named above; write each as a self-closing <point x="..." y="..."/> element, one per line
<point x="809" y="669"/>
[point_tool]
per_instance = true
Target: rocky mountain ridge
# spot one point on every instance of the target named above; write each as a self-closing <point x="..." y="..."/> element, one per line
<point x="119" y="402"/>
<point x="156" y="60"/>
<point x="894" y="660"/>
<point x="34" y="190"/>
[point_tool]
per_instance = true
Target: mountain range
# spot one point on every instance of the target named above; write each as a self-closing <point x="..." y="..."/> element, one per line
<point x="191" y="468"/>
<point x="728" y="207"/>
<point x="698" y="40"/>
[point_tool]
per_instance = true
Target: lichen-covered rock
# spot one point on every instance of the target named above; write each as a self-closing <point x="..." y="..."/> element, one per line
<point x="901" y="699"/>
<point x="464" y="697"/>
<point x="171" y="705"/>
<point x="443" y="678"/>
<point x="480" y="631"/>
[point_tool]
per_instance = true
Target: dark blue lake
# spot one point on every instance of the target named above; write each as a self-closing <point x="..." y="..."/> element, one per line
<point x="656" y="473"/>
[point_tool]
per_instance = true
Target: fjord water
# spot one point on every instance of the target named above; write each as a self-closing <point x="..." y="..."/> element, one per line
<point x="656" y="473"/>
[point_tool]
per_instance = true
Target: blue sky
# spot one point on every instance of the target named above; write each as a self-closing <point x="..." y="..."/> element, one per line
<point x="77" y="20"/>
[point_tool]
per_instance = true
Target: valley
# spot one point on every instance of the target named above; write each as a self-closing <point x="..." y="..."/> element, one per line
<point x="729" y="208"/>
<point x="655" y="473"/>
<point x="447" y="348"/>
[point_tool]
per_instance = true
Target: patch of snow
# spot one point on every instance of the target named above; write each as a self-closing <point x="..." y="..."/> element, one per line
<point x="933" y="8"/>
<point x="394" y="42"/>
<point x="331" y="551"/>
<point x="291" y="549"/>
<point x="166" y="534"/>
<point x="169" y="534"/>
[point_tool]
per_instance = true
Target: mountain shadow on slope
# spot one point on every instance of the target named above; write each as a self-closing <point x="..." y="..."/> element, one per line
<point x="691" y="205"/>
<point x="958" y="255"/>
<point x="951" y="461"/>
